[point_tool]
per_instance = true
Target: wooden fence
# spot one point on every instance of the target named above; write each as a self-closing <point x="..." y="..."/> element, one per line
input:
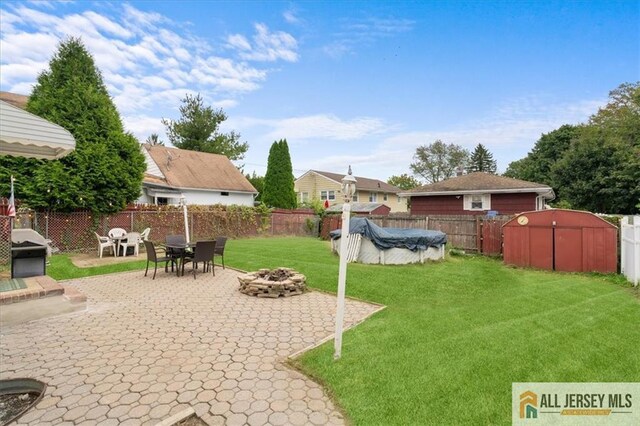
<point x="471" y="233"/>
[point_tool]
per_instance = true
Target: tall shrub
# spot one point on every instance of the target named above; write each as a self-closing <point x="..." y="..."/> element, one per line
<point x="105" y="171"/>
<point x="279" y="181"/>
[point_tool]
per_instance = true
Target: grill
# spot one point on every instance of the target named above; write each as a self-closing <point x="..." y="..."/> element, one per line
<point x="28" y="256"/>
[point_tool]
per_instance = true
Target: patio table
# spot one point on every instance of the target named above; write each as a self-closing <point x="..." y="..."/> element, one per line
<point x="118" y="239"/>
<point x="180" y="250"/>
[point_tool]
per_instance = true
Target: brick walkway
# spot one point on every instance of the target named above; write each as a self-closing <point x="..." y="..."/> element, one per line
<point x="147" y="349"/>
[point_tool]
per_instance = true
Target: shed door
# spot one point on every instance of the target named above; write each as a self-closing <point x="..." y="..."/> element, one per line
<point x="568" y="251"/>
<point x="541" y="247"/>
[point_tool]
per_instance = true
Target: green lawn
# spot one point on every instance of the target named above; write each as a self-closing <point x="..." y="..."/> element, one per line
<point x="456" y="334"/>
<point x="61" y="268"/>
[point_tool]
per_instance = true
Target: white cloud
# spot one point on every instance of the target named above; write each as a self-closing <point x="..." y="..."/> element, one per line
<point x="365" y="32"/>
<point x="267" y="46"/>
<point x="317" y="127"/>
<point x="239" y="42"/>
<point x="143" y="125"/>
<point x="148" y="61"/>
<point x="509" y="132"/>
<point x="291" y="17"/>
<point x="42" y="3"/>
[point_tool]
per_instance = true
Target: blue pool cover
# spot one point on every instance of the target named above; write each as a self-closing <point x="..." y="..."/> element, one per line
<point x="386" y="238"/>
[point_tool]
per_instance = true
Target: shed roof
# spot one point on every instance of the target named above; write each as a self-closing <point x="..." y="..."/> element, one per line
<point x="480" y="182"/>
<point x="182" y="168"/>
<point x="27" y="135"/>
<point x="362" y="183"/>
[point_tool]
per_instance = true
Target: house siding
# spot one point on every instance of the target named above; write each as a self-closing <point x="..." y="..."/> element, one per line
<point x="204" y="198"/>
<point x="513" y="203"/>
<point x="450" y="204"/>
<point x="313" y="184"/>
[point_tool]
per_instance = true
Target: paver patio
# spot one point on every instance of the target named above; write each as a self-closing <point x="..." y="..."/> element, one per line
<point x="145" y="350"/>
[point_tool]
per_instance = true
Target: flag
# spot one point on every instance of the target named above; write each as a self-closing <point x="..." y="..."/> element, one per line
<point x="326" y="202"/>
<point x="11" y="211"/>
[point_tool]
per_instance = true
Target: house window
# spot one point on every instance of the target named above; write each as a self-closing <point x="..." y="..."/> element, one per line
<point x="399" y="199"/>
<point x="328" y="195"/>
<point x="224" y="193"/>
<point x="373" y="197"/>
<point x="304" y="197"/>
<point x="355" y="197"/>
<point x="477" y="202"/>
<point x="385" y="197"/>
<point x="161" y="201"/>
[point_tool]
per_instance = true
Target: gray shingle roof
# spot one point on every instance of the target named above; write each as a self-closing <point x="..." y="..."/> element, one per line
<point x="362" y="183"/>
<point x="192" y="169"/>
<point x="478" y="181"/>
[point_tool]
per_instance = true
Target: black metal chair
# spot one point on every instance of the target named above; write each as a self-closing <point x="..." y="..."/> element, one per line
<point x="220" y="243"/>
<point x="203" y="252"/>
<point x="152" y="256"/>
<point x="172" y="253"/>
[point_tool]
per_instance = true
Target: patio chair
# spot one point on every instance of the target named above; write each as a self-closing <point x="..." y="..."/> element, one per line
<point x="177" y="240"/>
<point x="144" y="236"/>
<point x="203" y="252"/>
<point x="117" y="235"/>
<point x="152" y="256"/>
<point x="132" y="240"/>
<point x="116" y="232"/>
<point x="220" y="243"/>
<point x="103" y="243"/>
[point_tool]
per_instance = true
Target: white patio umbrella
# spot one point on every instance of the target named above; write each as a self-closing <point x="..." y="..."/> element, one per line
<point x="23" y="134"/>
<point x="183" y="203"/>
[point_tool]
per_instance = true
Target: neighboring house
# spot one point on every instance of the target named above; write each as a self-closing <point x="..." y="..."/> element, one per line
<point x="200" y="177"/>
<point x="15" y="99"/>
<point x="322" y="186"/>
<point x="362" y="209"/>
<point x="476" y="194"/>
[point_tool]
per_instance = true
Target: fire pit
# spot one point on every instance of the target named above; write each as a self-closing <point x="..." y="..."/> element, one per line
<point x="273" y="283"/>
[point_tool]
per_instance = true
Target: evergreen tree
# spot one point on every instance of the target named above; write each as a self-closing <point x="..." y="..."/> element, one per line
<point x="198" y="130"/>
<point x="154" y="140"/>
<point x="279" y="181"/>
<point x="482" y="160"/>
<point x="104" y="173"/>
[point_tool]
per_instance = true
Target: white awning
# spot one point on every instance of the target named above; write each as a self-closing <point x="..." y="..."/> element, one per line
<point x="23" y="134"/>
<point x="163" y="193"/>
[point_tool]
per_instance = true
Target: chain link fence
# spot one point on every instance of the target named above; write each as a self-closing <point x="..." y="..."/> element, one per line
<point x="75" y="232"/>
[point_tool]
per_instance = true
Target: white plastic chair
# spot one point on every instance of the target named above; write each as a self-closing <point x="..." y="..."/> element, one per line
<point x="116" y="235"/>
<point x="117" y="232"/>
<point x="132" y="240"/>
<point x="144" y="236"/>
<point x="103" y="243"/>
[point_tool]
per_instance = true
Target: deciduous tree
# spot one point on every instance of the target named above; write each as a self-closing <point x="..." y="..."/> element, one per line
<point x="198" y="129"/>
<point x="404" y="181"/>
<point x="601" y="170"/>
<point x="257" y="182"/>
<point x="438" y="161"/>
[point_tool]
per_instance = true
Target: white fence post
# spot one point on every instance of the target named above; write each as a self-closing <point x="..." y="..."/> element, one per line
<point x="630" y="248"/>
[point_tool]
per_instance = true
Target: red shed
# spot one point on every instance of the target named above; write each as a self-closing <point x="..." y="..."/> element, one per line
<point x="561" y="240"/>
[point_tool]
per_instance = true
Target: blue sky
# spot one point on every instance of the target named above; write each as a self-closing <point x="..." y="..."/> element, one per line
<point x="360" y="83"/>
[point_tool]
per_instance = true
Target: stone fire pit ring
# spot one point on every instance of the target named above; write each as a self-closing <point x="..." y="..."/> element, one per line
<point x="273" y="283"/>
